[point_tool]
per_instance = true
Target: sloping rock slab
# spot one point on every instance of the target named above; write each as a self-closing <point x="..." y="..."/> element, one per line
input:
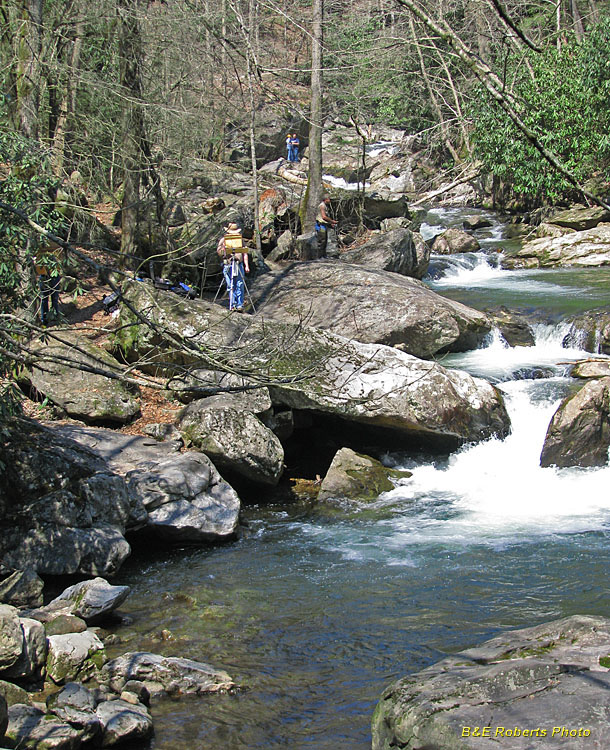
<point x="579" y="433"/>
<point x="92" y="599"/>
<point x="164" y="674"/>
<point x="184" y="495"/>
<point x="28" y="727"/>
<point x="589" y="248"/>
<point x="399" y="251"/>
<point x="83" y="395"/>
<point x="525" y="686"/>
<point x="580" y="217"/>
<point x="369" y="306"/>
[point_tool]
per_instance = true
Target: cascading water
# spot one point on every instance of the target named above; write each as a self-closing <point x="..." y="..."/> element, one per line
<point x="316" y="610"/>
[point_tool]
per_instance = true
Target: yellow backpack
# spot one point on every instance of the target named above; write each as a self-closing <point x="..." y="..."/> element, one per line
<point x="234" y="241"/>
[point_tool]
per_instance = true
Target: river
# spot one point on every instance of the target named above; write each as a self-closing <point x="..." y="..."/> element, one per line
<point x="315" y="612"/>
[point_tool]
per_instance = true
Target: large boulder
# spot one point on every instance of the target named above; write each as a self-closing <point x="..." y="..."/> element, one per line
<point x="91" y="600"/>
<point x="164" y="675"/>
<point x="61" y="510"/>
<point x="353" y="477"/>
<point x="399" y="250"/>
<point x="518" y="690"/>
<point x="182" y="494"/>
<point x="454" y="240"/>
<point x="23" y="588"/>
<point x="123" y="722"/>
<point x="579" y="433"/>
<point x="314" y="370"/>
<point x="369" y="306"/>
<point x="76" y="705"/>
<point x="591" y="331"/>
<point x="233" y="437"/>
<point x="31" y="662"/>
<point x="74" y="656"/>
<point x="30" y="727"/>
<point x="89" y="396"/>
<point x="580" y="217"/>
<point x="587" y="248"/>
<point x="11" y="637"/>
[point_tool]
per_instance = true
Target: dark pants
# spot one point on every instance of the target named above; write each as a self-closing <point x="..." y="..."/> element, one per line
<point x="49" y="287"/>
<point x="322" y="234"/>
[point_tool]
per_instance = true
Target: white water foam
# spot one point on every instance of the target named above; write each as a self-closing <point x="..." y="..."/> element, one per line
<point x="339" y="182"/>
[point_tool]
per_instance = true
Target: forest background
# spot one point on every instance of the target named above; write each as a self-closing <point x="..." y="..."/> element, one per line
<point x="104" y="104"/>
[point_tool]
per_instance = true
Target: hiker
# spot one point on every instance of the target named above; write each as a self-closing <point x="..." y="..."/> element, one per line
<point x="296" y="145"/>
<point x="323" y="222"/>
<point x="48" y="271"/>
<point x="289" y="147"/>
<point x="231" y="251"/>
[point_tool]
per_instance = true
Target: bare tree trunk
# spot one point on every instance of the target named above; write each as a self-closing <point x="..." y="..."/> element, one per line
<point x="252" y="63"/>
<point x="314" y="182"/>
<point x="579" y="30"/>
<point x="28" y="45"/>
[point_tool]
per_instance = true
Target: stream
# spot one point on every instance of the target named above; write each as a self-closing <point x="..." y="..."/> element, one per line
<point x="316" y="611"/>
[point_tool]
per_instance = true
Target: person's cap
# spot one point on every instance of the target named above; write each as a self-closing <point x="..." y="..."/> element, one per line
<point x="233" y="226"/>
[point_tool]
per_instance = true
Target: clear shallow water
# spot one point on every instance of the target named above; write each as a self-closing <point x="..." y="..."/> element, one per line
<point x="315" y="611"/>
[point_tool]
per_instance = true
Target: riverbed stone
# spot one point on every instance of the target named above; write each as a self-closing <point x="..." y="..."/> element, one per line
<point x="62" y="623"/>
<point x="318" y="372"/>
<point x="580" y="217"/>
<point x="590" y="331"/>
<point x="29" y="727"/>
<point x="515" y="330"/>
<point x="454" y="240"/>
<point x="354" y="477"/>
<point x="123" y="722"/>
<point x="399" y="251"/>
<point x="584" y="249"/>
<point x="548" y="676"/>
<point x="23" y="588"/>
<point x="76" y="705"/>
<point x="74" y="656"/>
<point x="591" y="368"/>
<point x="13" y="694"/>
<point x="233" y="438"/>
<point x="92" y="600"/>
<point x="579" y="432"/>
<point x="32" y="659"/>
<point x="164" y="675"/>
<point x="11" y="636"/>
<point x="89" y="396"/>
<point x="369" y="306"/>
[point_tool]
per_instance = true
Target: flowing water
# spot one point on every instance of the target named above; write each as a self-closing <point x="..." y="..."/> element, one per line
<point x="316" y="611"/>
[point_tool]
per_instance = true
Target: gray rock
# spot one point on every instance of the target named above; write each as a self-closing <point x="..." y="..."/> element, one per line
<point x="74" y="656"/>
<point x="370" y="307"/>
<point x="123" y="722"/>
<point x="403" y="397"/>
<point x="164" y="675"/>
<point x="61" y="623"/>
<point x="591" y="331"/>
<point x="83" y="395"/>
<point x="592" y="368"/>
<point x="354" y="477"/>
<point x="579" y="433"/>
<point x="33" y="657"/>
<point x="182" y="496"/>
<point x="454" y="240"/>
<point x="23" y="588"/>
<point x="93" y="599"/>
<point x="580" y="217"/>
<point x="3" y="716"/>
<point x="28" y="727"/>
<point x="544" y="678"/>
<point x="11" y="636"/>
<point x="515" y="330"/>
<point x="476" y="222"/>
<point x="584" y="249"/>
<point x="235" y="439"/>
<point x="13" y="694"/>
<point x="76" y="705"/>
<point x="399" y="251"/>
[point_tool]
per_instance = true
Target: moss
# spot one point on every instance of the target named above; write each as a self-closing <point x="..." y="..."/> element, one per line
<point x="604" y="661"/>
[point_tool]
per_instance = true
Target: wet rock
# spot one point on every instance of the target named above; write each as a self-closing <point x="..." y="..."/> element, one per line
<point x="590" y="331"/>
<point x="515" y="330"/>
<point x="92" y="600"/>
<point x="399" y="251"/>
<point x="235" y="439"/>
<point x="74" y="656"/>
<point x="454" y="240"/>
<point x="76" y="705"/>
<point x="584" y="249"/>
<point x="377" y="386"/>
<point x="31" y="661"/>
<point x="579" y="433"/>
<point x="123" y="722"/>
<point x="357" y="478"/>
<point x="83" y="395"/>
<point x="551" y="675"/>
<point x="29" y="727"/>
<point x="164" y="675"/>
<point x="476" y="222"/>
<point x="592" y="368"/>
<point x="370" y="307"/>
<point x="11" y="636"/>
<point x="580" y="217"/>
<point x="23" y="588"/>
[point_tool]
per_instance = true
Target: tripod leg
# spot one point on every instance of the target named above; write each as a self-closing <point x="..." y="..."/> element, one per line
<point x="218" y="290"/>
<point x="232" y="288"/>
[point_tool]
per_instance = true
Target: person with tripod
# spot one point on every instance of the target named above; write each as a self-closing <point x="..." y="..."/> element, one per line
<point x="323" y="224"/>
<point x="231" y="251"/>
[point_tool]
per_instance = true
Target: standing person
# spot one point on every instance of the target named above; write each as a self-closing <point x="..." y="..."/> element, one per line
<point x="296" y="145"/>
<point x="323" y="222"/>
<point x="289" y="147"/>
<point x="48" y="271"/>
<point x="230" y="249"/>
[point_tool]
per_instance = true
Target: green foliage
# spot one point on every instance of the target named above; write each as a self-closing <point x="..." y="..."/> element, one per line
<point x="565" y="104"/>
